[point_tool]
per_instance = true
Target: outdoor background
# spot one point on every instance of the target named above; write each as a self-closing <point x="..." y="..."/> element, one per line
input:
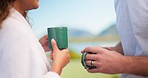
<point x="89" y="22"/>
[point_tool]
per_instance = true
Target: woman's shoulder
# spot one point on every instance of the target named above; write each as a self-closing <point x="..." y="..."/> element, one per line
<point x="15" y="23"/>
<point x="15" y="20"/>
<point x="11" y="21"/>
<point x="13" y="26"/>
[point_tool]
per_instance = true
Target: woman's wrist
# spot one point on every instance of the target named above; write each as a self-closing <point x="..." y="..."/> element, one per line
<point x="56" y="68"/>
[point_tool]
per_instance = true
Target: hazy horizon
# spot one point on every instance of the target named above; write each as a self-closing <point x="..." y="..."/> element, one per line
<point x="87" y="15"/>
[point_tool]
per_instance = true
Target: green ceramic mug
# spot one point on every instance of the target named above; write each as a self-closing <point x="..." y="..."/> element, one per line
<point x="60" y="35"/>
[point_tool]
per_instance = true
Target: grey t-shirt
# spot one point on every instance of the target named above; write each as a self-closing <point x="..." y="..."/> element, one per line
<point x="132" y="27"/>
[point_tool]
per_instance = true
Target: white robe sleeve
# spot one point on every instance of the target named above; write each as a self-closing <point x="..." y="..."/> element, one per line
<point x="51" y="75"/>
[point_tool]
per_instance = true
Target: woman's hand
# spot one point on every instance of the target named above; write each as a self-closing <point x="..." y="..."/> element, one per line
<point x="60" y="58"/>
<point x="44" y="42"/>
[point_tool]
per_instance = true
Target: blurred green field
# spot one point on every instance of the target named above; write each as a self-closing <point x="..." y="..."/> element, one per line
<point x="75" y="70"/>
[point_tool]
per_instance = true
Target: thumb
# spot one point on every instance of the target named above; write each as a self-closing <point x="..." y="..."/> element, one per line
<point x="54" y="45"/>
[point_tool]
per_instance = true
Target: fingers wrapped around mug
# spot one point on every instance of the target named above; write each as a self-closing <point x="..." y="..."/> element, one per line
<point x="89" y="61"/>
<point x="90" y="64"/>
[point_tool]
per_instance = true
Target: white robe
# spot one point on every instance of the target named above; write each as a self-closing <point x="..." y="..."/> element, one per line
<point x="21" y="55"/>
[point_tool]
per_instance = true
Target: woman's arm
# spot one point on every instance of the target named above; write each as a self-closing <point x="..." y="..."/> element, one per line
<point x="60" y="58"/>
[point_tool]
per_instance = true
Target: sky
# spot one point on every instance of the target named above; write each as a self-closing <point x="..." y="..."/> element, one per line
<point x="89" y="15"/>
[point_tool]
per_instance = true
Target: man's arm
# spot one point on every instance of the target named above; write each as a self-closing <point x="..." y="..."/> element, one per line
<point x="118" y="48"/>
<point x="138" y="65"/>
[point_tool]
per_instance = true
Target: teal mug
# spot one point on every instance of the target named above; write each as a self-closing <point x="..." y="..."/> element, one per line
<point x="59" y="34"/>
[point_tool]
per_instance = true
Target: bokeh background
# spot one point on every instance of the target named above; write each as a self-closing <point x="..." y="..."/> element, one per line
<point x="89" y="22"/>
